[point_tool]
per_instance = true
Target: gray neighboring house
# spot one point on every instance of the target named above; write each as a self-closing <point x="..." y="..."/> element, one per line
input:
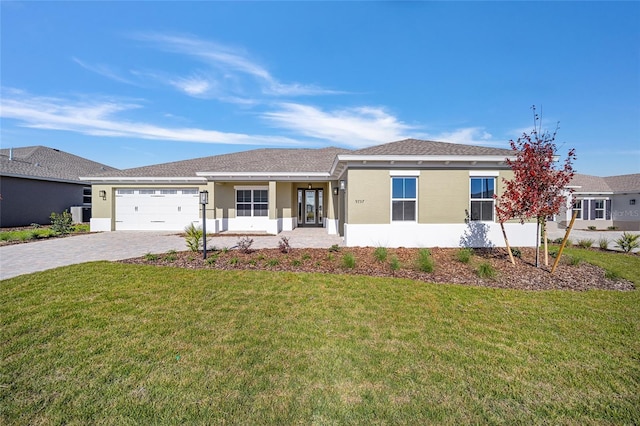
<point x="604" y="202"/>
<point x="36" y="181"/>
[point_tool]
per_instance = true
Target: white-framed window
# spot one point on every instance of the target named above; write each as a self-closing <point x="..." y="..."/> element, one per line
<point x="404" y="198"/>
<point x="577" y="208"/>
<point x="125" y="191"/>
<point x="599" y="209"/>
<point x="252" y="202"/>
<point x="147" y="191"/>
<point x="482" y="202"/>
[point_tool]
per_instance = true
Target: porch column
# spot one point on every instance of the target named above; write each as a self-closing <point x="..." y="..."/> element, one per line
<point x="273" y="208"/>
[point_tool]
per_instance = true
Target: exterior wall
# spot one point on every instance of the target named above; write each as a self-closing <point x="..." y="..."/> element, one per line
<point x="625" y="215"/>
<point x="474" y="234"/>
<point x="27" y="201"/>
<point x="368" y="197"/>
<point x="443" y="196"/>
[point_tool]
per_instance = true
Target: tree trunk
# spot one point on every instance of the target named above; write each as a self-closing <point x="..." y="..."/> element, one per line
<point x="506" y="242"/>
<point x="538" y="243"/>
<point x="546" y="245"/>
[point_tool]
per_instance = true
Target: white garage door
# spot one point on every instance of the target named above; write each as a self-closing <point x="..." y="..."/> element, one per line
<point x="156" y="209"/>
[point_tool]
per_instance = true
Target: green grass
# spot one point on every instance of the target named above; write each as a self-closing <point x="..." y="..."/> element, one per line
<point x="110" y="343"/>
<point x="626" y="266"/>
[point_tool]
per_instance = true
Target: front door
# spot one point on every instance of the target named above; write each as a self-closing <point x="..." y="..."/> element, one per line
<point x="310" y="207"/>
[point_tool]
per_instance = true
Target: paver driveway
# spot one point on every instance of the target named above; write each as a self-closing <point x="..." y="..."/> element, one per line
<point x="36" y="256"/>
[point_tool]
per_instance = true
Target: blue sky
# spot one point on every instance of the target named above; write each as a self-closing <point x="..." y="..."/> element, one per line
<point x="137" y="83"/>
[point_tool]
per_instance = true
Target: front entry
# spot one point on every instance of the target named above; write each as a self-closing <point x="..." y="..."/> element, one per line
<point x="310" y="207"/>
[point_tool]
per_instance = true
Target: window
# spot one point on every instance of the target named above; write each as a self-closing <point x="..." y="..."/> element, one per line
<point x="599" y="209"/>
<point x="577" y="208"/>
<point x="147" y="191"/>
<point x="403" y="198"/>
<point x="482" y="191"/>
<point x="252" y="202"/>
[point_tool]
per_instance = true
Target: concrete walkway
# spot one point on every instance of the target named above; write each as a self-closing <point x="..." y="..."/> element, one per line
<point x="19" y="259"/>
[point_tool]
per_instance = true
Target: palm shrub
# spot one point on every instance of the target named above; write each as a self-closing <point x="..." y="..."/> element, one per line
<point x="193" y="237"/>
<point x="380" y="254"/>
<point x="585" y="243"/>
<point x="464" y="254"/>
<point x="603" y="243"/>
<point x="628" y="242"/>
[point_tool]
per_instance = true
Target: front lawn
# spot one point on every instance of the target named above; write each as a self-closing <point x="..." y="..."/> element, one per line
<point x="116" y="344"/>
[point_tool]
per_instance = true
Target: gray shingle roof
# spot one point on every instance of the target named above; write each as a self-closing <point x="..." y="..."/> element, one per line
<point x="421" y="147"/>
<point x="41" y="162"/>
<point x="265" y="160"/>
<point x="596" y="184"/>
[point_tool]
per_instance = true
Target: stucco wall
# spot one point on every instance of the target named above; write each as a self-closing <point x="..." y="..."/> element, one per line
<point x="27" y="201"/>
<point x="443" y="196"/>
<point x="624" y="215"/>
<point x="368" y="196"/>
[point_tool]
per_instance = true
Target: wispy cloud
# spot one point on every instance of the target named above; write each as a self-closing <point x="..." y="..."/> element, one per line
<point x="227" y="64"/>
<point x="104" y="70"/>
<point x="355" y="127"/>
<point x="466" y="135"/>
<point x="100" y="118"/>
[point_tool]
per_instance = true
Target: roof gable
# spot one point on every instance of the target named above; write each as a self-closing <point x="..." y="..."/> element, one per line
<point x="423" y="147"/>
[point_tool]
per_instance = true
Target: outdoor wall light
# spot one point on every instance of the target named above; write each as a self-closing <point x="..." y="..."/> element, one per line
<point x="103" y="194"/>
<point x="632" y="202"/>
<point x="335" y="191"/>
<point x="343" y="185"/>
<point x="309" y="186"/>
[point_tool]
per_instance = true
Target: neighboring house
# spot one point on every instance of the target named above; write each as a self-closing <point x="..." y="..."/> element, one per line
<point x="604" y="202"/>
<point x="409" y="193"/>
<point x="36" y="181"/>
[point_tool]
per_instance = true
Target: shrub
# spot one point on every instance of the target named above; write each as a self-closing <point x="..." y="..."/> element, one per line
<point x="234" y="261"/>
<point x="591" y="228"/>
<point x="334" y="248"/>
<point x="612" y="275"/>
<point x="193" y="237"/>
<point x="150" y="257"/>
<point x="603" y="243"/>
<point x="612" y="228"/>
<point x="425" y="262"/>
<point x="61" y="223"/>
<point x="244" y="244"/>
<point x="283" y="245"/>
<point x="380" y="254"/>
<point x="553" y="252"/>
<point x="486" y="271"/>
<point x="211" y="260"/>
<point x="81" y="227"/>
<point x="306" y="256"/>
<point x="273" y="262"/>
<point x="573" y="260"/>
<point x="394" y="263"/>
<point x="558" y="241"/>
<point x="585" y="243"/>
<point x="171" y="256"/>
<point x="349" y="260"/>
<point x="628" y="242"/>
<point x="516" y="252"/>
<point x="464" y="255"/>
<point x="296" y="262"/>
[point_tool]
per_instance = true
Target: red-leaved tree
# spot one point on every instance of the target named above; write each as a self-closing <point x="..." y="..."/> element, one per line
<point x="536" y="190"/>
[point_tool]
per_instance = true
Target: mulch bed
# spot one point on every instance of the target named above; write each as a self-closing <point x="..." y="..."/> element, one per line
<point x="523" y="275"/>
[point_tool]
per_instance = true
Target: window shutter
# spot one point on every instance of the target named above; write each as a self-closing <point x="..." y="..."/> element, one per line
<point x="585" y="209"/>
<point x="607" y="209"/>
<point x="592" y="209"/>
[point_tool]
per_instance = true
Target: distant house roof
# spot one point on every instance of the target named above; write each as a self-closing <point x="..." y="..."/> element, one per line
<point x="611" y="184"/>
<point x="422" y="147"/>
<point x="43" y="163"/>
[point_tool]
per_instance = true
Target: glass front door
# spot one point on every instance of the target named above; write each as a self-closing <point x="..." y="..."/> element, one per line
<point x="310" y="207"/>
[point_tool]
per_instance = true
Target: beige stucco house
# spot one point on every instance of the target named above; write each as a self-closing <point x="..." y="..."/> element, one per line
<point x="409" y="193"/>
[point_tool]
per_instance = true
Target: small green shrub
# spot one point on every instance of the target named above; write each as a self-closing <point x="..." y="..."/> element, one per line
<point x="81" y="227"/>
<point x="573" y="260"/>
<point x="464" y="255"/>
<point x="234" y="261"/>
<point x="35" y="225"/>
<point x="349" y="260"/>
<point x="296" y="262"/>
<point x="628" y="242"/>
<point x="171" y="256"/>
<point x="61" y="223"/>
<point x="193" y="237"/>
<point x="334" y="248"/>
<point x="380" y="254"/>
<point x="612" y="275"/>
<point x="425" y="261"/>
<point x="591" y="228"/>
<point x="306" y="256"/>
<point x="273" y="262"/>
<point x="150" y="257"/>
<point x="486" y="271"/>
<point x="603" y="243"/>
<point x="612" y="228"/>
<point x="585" y="243"/>
<point x="244" y="244"/>
<point x="330" y="257"/>
<point x="394" y="263"/>
<point x="558" y="241"/>
<point x="553" y="252"/>
<point x="516" y="252"/>
<point x="211" y="260"/>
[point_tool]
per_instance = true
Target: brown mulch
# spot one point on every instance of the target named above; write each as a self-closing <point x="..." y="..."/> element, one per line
<point x="523" y="275"/>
